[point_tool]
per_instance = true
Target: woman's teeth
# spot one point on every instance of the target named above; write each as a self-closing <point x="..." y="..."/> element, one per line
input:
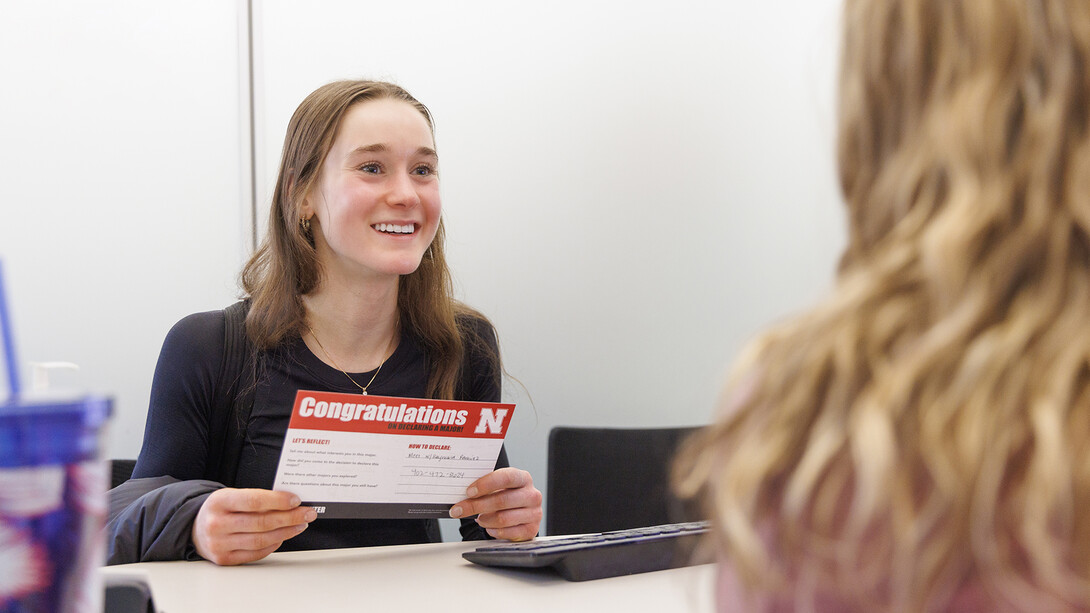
<point x="393" y="228"/>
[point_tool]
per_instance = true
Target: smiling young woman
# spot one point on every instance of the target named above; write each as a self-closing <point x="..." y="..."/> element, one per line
<point x="349" y="292"/>
<point x="377" y="208"/>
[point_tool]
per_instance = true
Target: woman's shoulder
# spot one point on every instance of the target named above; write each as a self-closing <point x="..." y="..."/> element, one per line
<point x="198" y="336"/>
<point x="474" y="327"/>
<point x="198" y="326"/>
<point x="480" y="376"/>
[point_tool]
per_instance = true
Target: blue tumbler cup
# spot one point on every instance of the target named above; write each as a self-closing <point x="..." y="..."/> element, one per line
<point x="53" y="485"/>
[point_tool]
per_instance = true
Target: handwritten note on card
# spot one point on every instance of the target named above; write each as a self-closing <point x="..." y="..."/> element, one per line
<point x="350" y="455"/>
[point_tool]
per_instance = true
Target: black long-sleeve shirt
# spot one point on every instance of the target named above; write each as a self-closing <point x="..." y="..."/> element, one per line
<point x="177" y="432"/>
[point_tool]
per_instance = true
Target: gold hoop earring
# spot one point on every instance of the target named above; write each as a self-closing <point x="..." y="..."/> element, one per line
<point x="304" y="222"/>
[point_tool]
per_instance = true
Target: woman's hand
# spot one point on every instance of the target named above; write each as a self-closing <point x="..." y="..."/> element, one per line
<point x="235" y="526"/>
<point x="506" y="502"/>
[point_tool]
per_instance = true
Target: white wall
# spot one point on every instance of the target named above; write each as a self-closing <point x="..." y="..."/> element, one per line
<point x="631" y="189"/>
<point x="120" y="163"/>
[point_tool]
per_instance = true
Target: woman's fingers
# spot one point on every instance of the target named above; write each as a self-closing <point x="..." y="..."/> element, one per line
<point x="235" y="526"/>
<point x="506" y="502"/>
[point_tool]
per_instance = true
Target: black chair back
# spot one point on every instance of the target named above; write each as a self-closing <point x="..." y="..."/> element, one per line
<point x="120" y="471"/>
<point x="602" y="479"/>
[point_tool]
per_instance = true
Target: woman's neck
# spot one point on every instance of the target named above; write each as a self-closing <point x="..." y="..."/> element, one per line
<point x="356" y="327"/>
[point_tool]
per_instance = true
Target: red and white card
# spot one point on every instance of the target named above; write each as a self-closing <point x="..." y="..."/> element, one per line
<point x="356" y="456"/>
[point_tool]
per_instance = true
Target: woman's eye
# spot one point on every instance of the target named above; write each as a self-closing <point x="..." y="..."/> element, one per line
<point x="371" y="168"/>
<point x="424" y="171"/>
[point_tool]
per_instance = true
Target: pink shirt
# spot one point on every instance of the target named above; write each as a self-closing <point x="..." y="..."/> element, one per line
<point x="731" y="597"/>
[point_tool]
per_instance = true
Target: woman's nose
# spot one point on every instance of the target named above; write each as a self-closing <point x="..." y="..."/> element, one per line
<point x="402" y="190"/>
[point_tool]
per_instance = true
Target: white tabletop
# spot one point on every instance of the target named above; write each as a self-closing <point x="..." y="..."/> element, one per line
<point x="433" y="578"/>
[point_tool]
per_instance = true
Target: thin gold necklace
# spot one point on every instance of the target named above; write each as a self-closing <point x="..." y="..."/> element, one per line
<point x="363" y="388"/>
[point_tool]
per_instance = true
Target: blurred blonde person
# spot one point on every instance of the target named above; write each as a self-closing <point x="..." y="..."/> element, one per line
<point x="918" y="441"/>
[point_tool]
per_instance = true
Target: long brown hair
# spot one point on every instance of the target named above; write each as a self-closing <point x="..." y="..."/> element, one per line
<point x="927" y="427"/>
<point x="285" y="267"/>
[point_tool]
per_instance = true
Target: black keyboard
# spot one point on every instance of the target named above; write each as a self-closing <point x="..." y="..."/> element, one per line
<point x="605" y="554"/>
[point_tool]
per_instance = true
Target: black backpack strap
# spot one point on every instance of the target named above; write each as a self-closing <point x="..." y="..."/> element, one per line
<point x="233" y="399"/>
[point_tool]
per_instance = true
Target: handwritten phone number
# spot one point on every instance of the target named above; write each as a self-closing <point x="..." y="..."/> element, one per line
<point x="440" y="474"/>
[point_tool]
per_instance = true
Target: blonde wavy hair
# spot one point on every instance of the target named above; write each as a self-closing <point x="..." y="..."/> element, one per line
<point x="926" y="429"/>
